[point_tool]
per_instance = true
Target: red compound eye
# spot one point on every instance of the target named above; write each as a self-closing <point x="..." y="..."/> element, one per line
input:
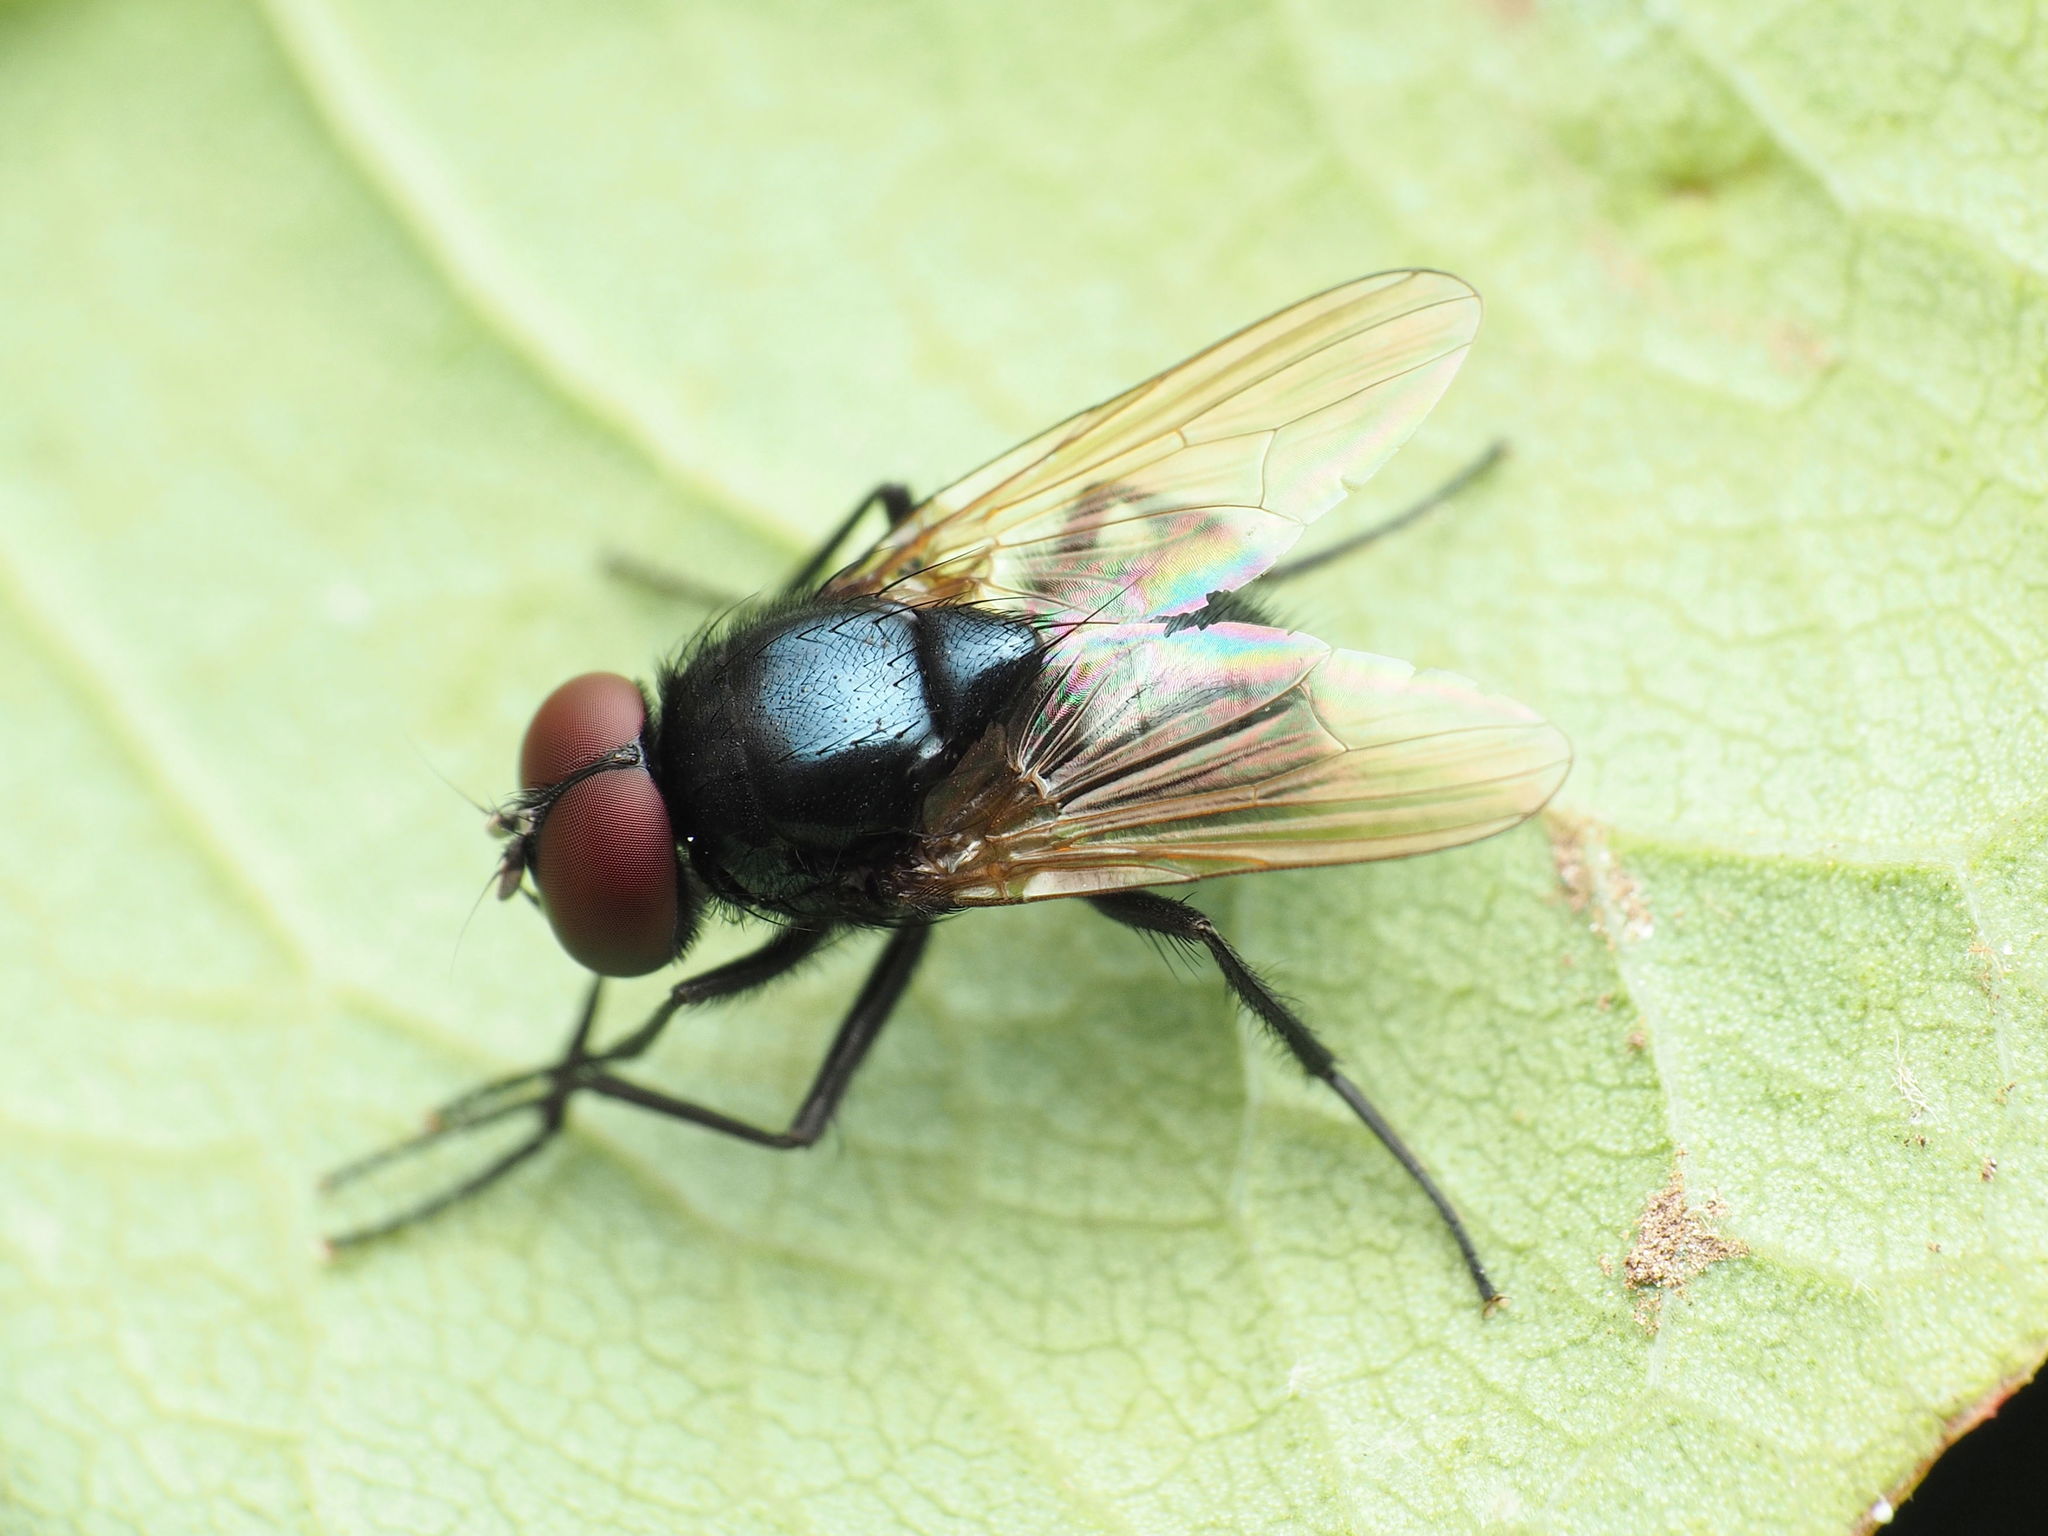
<point x="605" y="861"/>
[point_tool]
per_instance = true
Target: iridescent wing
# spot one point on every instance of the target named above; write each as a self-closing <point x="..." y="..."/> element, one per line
<point x="1195" y="481"/>
<point x="1153" y="757"/>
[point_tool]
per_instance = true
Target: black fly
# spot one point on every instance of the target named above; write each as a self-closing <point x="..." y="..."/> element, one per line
<point x="1043" y="681"/>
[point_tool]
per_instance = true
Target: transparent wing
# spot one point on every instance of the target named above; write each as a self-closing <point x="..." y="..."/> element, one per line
<point x="1150" y="758"/>
<point x="1197" y="480"/>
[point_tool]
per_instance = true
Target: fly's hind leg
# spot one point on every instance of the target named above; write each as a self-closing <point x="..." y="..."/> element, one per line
<point x="1175" y="920"/>
<point x="1287" y="570"/>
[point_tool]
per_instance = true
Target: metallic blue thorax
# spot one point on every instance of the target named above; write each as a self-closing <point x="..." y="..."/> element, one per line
<point x="798" y="751"/>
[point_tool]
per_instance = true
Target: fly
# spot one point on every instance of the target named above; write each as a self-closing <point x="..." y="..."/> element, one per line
<point x="1045" y="681"/>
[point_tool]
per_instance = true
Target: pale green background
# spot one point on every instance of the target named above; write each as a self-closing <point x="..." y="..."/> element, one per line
<point x="339" y="339"/>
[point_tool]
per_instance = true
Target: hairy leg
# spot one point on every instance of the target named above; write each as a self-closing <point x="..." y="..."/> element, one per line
<point x="546" y="1090"/>
<point x="1287" y="570"/>
<point x="1175" y="920"/>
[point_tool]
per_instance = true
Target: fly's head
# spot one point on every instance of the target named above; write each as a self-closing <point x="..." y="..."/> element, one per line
<point x="591" y="829"/>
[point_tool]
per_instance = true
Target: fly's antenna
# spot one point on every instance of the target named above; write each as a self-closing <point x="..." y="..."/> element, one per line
<point x="435" y="769"/>
<point x="496" y="880"/>
<point x="499" y="822"/>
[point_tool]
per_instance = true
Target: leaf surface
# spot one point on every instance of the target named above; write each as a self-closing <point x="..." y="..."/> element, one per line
<point x="340" y="341"/>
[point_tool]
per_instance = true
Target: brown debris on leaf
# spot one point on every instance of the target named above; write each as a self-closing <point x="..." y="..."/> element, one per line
<point x="1568" y="852"/>
<point x="1593" y="878"/>
<point x="1675" y="1241"/>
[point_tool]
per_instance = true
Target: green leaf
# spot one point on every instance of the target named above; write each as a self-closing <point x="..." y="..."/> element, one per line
<point x="341" y="339"/>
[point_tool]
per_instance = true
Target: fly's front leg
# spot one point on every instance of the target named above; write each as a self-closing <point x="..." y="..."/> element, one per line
<point x="863" y="1022"/>
<point x="546" y="1091"/>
